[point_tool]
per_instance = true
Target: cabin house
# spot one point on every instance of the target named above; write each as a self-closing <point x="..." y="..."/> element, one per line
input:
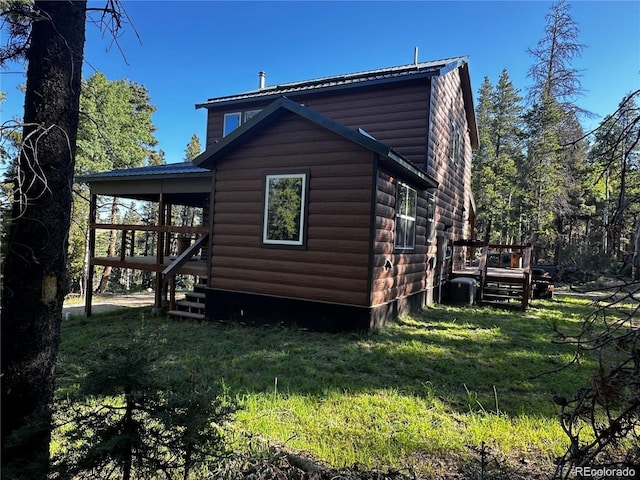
<point x="333" y="201"/>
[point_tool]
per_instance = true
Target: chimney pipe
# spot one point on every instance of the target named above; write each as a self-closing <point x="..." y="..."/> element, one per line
<point x="261" y="77"/>
<point x="415" y="56"/>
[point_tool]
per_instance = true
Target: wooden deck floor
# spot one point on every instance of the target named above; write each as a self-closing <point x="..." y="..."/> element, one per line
<point x="493" y="273"/>
<point x="195" y="266"/>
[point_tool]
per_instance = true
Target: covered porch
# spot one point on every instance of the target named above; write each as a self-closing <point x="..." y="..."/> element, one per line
<point x="177" y="249"/>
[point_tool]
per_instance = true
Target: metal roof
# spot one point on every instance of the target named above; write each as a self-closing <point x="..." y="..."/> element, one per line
<point x="167" y="170"/>
<point x="383" y="75"/>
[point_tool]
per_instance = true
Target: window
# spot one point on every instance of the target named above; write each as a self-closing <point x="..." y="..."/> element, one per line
<point x="231" y="122"/>
<point x="455" y="141"/>
<point x="431" y="217"/>
<point x="235" y="119"/>
<point x="248" y="115"/>
<point x="406" y="217"/>
<point x="284" y="209"/>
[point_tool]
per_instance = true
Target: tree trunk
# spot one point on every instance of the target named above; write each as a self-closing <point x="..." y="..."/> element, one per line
<point x="34" y="270"/>
<point x="111" y="250"/>
<point x="635" y="262"/>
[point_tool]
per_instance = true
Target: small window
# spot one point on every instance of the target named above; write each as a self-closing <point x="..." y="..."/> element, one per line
<point x="455" y="141"/>
<point x="231" y="122"/>
<point x="284" y="209"/>
<point x="235" y="119"/>
<point x="406" y="217"/>
<point x="431" y="217"/>
<point x="248" y="115"/>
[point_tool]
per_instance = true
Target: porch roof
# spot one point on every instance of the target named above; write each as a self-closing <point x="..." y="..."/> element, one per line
<point x="179" y="183"/>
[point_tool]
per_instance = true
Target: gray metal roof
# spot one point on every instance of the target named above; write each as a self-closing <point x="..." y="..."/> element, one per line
<point x="383" y="75"/>
<point x="166" y="170"/>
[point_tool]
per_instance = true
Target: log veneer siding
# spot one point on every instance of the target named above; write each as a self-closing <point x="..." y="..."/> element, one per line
<point x="333" y="266"/>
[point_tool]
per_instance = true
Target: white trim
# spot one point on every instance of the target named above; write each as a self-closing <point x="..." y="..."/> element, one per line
<point x="265" y="212"/>
<point x="401" y="215"/>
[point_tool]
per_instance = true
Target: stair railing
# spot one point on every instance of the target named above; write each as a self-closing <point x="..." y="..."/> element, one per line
<point x="169" y="273"/>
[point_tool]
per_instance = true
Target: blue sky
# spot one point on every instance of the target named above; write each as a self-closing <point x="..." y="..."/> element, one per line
<point x="190" y="51"/>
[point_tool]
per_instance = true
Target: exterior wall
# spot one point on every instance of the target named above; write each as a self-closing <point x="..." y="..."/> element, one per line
<point x="397" y="274"/>
<point x="395" y="114"/>
<point x="335" y="264"/>
<point x="453" y="195"/>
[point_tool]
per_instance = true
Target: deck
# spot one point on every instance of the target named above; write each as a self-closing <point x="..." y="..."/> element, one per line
<point x="506" y="285"/>
<point x="194" y="266"/>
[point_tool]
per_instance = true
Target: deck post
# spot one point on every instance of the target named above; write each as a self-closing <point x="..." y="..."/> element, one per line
<point x="88" y="291"/>
<point x="157" y="305"/>
<point x="209" y="246"/>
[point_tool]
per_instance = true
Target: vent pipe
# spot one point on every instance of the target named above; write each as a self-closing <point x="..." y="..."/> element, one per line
<point x="261" y="78"/>
<point x="415" y="56"/>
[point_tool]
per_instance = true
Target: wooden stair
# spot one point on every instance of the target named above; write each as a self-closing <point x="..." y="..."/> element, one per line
<point x="503" y="272"/>
<point x="192" y="306"/>
<point x="506" y="292"/>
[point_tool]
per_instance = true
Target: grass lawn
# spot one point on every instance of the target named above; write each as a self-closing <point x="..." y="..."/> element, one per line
<point x="424" y="390"/>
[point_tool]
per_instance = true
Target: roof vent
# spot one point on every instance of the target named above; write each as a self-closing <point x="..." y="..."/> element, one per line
<point x="261" y="77"/>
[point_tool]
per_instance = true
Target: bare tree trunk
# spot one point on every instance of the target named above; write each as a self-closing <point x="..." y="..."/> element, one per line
<point x="635" y="262"/>
<point x="34" y="269"/>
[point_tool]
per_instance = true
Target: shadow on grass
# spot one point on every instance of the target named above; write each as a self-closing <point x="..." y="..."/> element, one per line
<point x="472" y="358"/>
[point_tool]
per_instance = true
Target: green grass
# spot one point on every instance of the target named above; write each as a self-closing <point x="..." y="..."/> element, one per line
<point x="434" y="383"/>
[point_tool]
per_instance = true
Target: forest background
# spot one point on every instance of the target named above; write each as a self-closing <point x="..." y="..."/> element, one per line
<point x="538" y="177"/>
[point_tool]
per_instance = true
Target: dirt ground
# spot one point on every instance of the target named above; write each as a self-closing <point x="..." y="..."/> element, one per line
<point x="108" y="302"/>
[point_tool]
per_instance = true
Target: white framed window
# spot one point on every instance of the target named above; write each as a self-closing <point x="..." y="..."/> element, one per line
<point x="455" y="143"/>
<point x="406" y="217"/>
<point x="233" y="120"/>
<point x="284" y="216"/>
<point x="249" y="114"/>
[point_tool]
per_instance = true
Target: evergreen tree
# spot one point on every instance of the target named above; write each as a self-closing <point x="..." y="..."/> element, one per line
<point x="115" y="131"/>
<point x="495" y="174"/>
<point x="545" y="175"/>
<point x="615" y="158"/>
<point x="187" y="215"/>
<point x="193" y="148"/>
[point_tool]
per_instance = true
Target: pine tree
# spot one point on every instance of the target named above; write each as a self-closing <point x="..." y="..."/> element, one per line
<point x="545" y="175"/>
<point x="115" y="131"/>
<point x="499" y="115"/>
<point x="193" y="148"/>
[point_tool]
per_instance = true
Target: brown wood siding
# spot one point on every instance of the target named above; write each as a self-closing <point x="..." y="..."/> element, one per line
<point x="407" y="275"/>
<point x="394" y="114"/>
<point x="334" y="265"/>
<point x="454" y="190"/>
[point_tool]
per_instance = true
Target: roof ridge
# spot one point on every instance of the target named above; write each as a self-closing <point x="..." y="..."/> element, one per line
<point x="340" y="78"/>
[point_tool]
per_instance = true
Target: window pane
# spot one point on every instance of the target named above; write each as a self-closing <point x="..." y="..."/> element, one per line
<point x="231" y="122"/>
<point x="284" y="209"/>
<point x="412" y="197"/>
<point x="406" y="216"/>
<point x="248" y="115"/>
<point x="401" y="232"/>
<point x="431" y="214"/>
